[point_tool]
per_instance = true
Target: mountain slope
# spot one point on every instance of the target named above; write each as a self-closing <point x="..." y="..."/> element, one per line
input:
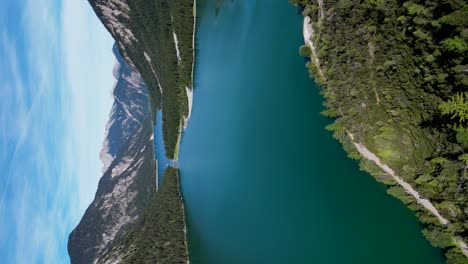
<point x="156" y="38"/>
<point x="131" y="106"/>
<point x="159" y="235"/>
<point x="129" y="180"/>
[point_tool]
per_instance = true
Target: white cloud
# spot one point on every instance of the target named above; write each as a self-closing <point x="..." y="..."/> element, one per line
<point x="55" y="102"/>
<point x="90" y="82"/>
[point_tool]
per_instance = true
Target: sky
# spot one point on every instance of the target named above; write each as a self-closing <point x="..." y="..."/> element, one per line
<point x="55" y="98"/>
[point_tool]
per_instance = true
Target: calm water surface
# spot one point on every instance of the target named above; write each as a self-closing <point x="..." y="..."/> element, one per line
<point x="262" y="180"/>
<point x="160" y="151"/>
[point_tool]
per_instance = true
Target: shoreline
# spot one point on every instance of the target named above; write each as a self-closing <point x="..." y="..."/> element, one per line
<point x="308" y="32"/>
<point x="186" y="119"/>
<point x="367" y="154"/>
<point x="188" y="89"/>
<point x="193" y="36"/>
<point x="190" y="102"/>
<point x="183" y="215"/>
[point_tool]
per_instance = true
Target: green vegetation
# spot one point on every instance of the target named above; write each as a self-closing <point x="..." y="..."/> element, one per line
<point x="457" y="106"/>
<point x="397" y="78"/>
<point x="305" y="51"/>
<point x="155" y="37"/>
<point x="153" y="24"/>
<point x="159" y="235"/>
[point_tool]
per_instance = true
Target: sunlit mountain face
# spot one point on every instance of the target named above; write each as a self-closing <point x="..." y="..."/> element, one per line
<point x="55" y="89"/>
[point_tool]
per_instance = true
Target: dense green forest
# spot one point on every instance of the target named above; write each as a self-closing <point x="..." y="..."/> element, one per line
<point x="150" y="47"/>
<point x="159" y="235"/>
<point x="154" y="23"/>
<point x="395" y="74"/>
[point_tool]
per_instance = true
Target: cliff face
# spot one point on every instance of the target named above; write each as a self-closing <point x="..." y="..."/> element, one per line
<point x="129" y="180"/>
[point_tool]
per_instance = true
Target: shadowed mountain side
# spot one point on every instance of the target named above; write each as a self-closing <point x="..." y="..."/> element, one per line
<point x="156" y="38"/>
<point x="159" y="235"/>
<point x="131" y="106"/>
<point x="129" y="180"/>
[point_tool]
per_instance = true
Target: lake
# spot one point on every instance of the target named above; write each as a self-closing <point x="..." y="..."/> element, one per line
<point x="262" y="180"/>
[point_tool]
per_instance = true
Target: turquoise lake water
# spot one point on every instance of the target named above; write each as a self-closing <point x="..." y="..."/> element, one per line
<point x="160" y="151"/>
<point x="263" y="182"/>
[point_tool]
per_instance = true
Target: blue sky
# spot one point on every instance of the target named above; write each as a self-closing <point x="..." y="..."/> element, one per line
<point x="55" y="97"/>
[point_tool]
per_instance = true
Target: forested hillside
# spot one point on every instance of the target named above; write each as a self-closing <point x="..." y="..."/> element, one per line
<point x="159" y="235"/>
<point x="155" y="40"/>
<point x="395" y="75"/>
<point x="156" y="37"/>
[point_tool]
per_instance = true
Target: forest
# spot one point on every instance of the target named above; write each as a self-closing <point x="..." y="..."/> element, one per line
<point x="159" y="234"/>
<point x="395" y="74"/>
<point x="154" y="23"/>
<point x="156" y="38"/>
<point x="153" y="53"/>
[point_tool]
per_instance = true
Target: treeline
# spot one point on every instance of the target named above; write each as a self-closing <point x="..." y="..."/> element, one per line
<point x="159" y="235"/>
<point x="183" y="17"/>
<point x="153" y="24"/>
<point x="397" y="78"/>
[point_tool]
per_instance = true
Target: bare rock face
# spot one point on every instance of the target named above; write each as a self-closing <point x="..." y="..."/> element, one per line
<point x="129" y="172"/>
<point x="159" y="234"/>
<point x="116" y="16"/>
<point x="130" y="107"/>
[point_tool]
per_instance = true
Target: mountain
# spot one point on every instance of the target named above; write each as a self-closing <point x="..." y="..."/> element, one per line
<point x="154" y="71"/>
<point x="159" y="234"/>
<point x="156" y="37"/>
<point x="395" y="79"/>
<point x="129" y="181"/>
<point x="131" y="106"/>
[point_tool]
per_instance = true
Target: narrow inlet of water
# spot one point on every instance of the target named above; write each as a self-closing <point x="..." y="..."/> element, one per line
<point x="161" y="158"/>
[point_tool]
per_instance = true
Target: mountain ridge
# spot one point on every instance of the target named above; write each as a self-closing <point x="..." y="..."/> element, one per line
<point x="129" y="180"/>
<point x="155" y="40"/>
